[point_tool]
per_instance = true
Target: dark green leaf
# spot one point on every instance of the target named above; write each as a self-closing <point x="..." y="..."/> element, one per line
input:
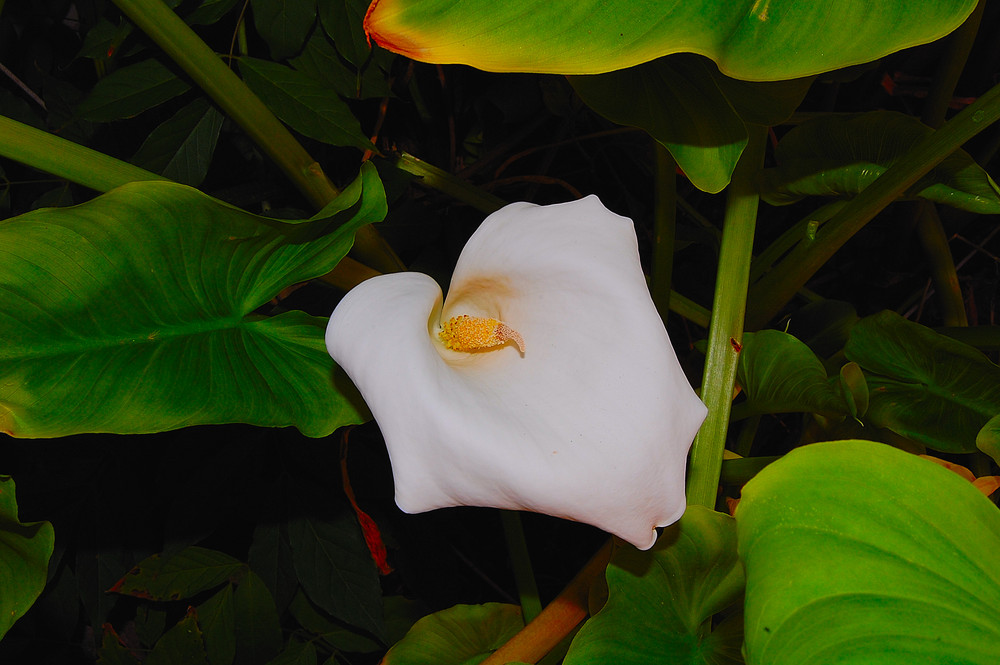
<point x="841" y="155"/>
<point x="922" y="385"/>
<point x="217" y="620"/>
<point x="112" y="651"/>
<point x="103" y="39"/>
<point x="181" y="644"/>
<point x="342" y="21"/>
<point x="296" y="653"/>
<point x="678" y="101"/>
<point x="336" y="635"/>
<point x="659" y="600"/>
<point x="271" y="558"/>
<point x="303" y="103"/>
<point x="25" y="549"/>
<point x="131" y="90"/>
<point x="320" y="62"/>
<point x="284" y="24"/>
<point x="152" y="286"/>
<point x="461" y="635"/>
<point x="182" y="147"/>
<point x="857" y="552"/>
<point x="258" y="632"/>
<point x="769" y="41"/>
<point x="210" y="11"/>
<point x="336" y="570"/>
<point x="988" y="439"/>
<point x="182" y="575"/>
<point x="780" y="374"/>
<point x="855" y="389"/>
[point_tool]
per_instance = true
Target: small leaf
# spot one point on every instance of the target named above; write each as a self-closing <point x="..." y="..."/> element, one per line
<point x="659" y="600"/>
<point x="679" y="103"/>
<point x="841" y="155"/>
<point x="25" y="548"/>
<point x="284" y="24"/>
<point x="131" y="90"/>
<point x="342" y="20"/>
<point x="258" y="631"/>
<point x="988" y="438"/>
<point x="182" y="575"/>
<point x="336" y="570"/>
<point x="112" y="651"/>
<point x="922" y="385"/>
<point x="780" y="374"/>
<point x="181" y="148"/>
<point x="304" y="104"/>
<point x="461" y="635"/>
<point x="210" y="11"/>
<point x="857" y="552"/>
<point x="181" y="644"/>
<point x="217" y="620"/>
<point x="855" y="389"/>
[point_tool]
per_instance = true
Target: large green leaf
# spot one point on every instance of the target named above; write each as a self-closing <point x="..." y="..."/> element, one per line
<point x="700" y="115"/>
<point x="460" y="635"/>
<point x="780" y="374"/>
<point x="858" y="553"/>
<point x="25" y="549"/>
<point x="749" y="39"/>
<point x="660" y="600"/>
<point x="922" y="385"/>
<point x="841" y="155"/>
<point x="135" y="313"/>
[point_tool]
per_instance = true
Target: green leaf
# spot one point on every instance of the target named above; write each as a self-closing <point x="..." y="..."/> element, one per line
<point x="112" y="651"/>
<point x="320" y="62"/>
<point x="855" y="389"/>
<point x="296" y="653"/>
<point x="210" y="11"/>
<point x="284" y="24"/>
<point x="857" y="552"/>
<point x="679" y="103"/>
<point x="181" y="148"/>
<point x="131" y="90"/>
<point x="258" y="632"/>
<point x="217" y="620"/>
<point x="112" y="304"/>
<point x="780" y="374"/>
<point x="988" y="439"/>
<point x="304" y="104"/>
<point x="922" y="385"/>
<point x="25" y="548"/>
<point x="181" y="644"/>
<point x="841" y="155"/>
<point x="775" y="40"/>
<point x="335" y="568"/>
<point x="342" y="20"/>
<point x="660" y="600"/>
<point x="461" y="635"/>
<point x="183" y="575"/>
<point x="270" y="557"/>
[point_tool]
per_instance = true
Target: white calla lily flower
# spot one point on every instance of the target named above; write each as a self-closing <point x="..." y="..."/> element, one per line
<point x="545" y="381"/>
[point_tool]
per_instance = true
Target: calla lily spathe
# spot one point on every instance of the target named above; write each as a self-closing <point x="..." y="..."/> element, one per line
<point x="592" y="421"/>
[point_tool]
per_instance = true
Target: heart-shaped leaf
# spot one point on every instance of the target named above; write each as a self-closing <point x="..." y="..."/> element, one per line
<point x="752" y="40"/>
<point x="841" y="155"/>
<point x="660" y="599"/>
<point x="135" y="313"/>
<point x="922" y="385"/>
<point x="859" y="553"/>
<point x="25" y="549"/>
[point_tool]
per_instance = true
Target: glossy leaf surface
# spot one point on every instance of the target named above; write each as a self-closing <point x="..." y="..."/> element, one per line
<point x="135" y="313"/>
<point x="922" y="385"/>
<point x="461" y="635"/>
<point x="859" y="553"/>
<point x="660" y="599"/>
<point x="750" y="40"/>
<point x="840" y="156"/>
<point x="25" y="549"/>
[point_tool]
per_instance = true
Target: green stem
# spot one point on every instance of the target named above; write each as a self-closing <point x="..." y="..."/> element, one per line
<point x="778" y="286"/>
<point x="726" y="331"/>
<point x="664" y="227"/>
<point x="209" y="72"/>
<point x="65" y="159"/>
<point x="524" y="576"/>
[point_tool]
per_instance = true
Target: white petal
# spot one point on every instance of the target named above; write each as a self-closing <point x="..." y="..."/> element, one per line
<point x="592" y="422"/>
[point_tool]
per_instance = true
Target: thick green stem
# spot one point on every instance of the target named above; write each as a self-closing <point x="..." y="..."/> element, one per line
<point x="778" y="286"/>
<point x="664" y="226"/>
<point x="211" y="74"/>
<point x="726" y="331"/>
<point x="65" y="159"/>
